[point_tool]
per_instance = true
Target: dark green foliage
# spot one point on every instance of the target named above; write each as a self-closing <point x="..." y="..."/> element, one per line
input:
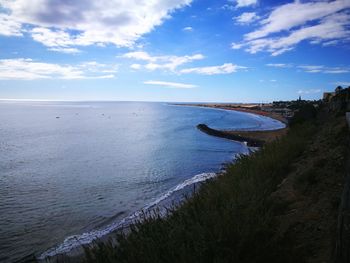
<point x="234" y="218"/>
<point x="231" y="218"/>
<point x="308" y="178"/>
<point x="341" y="102"/>
<point x="294" y="104"/>
<point x="305" y="113"/>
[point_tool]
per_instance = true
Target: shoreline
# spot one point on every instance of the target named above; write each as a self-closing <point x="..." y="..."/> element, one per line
<point x="253" y="138"/>
<point x="239" y="108"/>
<point x="286" y="196"/>
<point x="251" y="142"/>
<point x="76" y="253"/>
<point x="293" y="187"/>
<point x="271" y="115"/>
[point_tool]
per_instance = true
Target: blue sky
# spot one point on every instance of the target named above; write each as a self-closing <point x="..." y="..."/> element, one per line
<point x="173" y="50"/>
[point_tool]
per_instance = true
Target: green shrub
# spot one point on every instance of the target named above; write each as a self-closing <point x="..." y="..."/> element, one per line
<point x="230" y="219"/>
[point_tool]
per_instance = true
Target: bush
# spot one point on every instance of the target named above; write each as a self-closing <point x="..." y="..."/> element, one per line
<point x="305" y="113"/>
<point x="231" y="218"/>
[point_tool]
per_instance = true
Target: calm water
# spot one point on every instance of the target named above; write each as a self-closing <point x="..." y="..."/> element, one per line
<point x="67" y="168"/>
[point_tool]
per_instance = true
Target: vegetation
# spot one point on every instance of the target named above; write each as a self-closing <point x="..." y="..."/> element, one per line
<point x="294" y="104"/>
<point x="237" y="216"/>
<point x="304" y="113"/>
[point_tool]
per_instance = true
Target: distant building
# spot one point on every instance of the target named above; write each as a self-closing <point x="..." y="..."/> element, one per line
<point x="328" y="95"/>
<point x="338" y="90"/>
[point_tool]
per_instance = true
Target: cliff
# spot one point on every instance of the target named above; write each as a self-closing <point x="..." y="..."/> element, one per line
<point x="280" y="204"/>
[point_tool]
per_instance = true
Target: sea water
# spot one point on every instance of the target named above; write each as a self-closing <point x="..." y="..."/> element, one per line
<point x="77" y="170"/>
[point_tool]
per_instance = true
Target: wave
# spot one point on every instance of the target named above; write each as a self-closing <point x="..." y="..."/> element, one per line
<point x="77" y="241"/>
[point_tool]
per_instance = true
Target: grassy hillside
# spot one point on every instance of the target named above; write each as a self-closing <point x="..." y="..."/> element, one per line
<point x="276" y="205"/>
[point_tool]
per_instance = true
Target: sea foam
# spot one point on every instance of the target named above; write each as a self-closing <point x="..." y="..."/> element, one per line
<point x="77" y="241"/>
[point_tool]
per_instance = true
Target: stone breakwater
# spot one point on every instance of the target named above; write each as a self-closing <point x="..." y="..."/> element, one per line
<point x="222" y="134"/>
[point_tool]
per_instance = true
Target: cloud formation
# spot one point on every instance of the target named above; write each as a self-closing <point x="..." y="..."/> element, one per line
<point x="279" y="65"/>
<point x="170" y="84"/>
<point x="28" y="69"/>
<point x="324" y="22"/>
<point x="309" y="91"/>
<point x="9" y="27"/>
<point x="324" y="69"/>
<point x="170" y="63"/>
<point x="342" y="83"/>
<point x="226" y="68"/>
<point x="246" y="18"/>
<point x="188" y="29"/>
<point x="244" y="3"/>
<point x="312" y="68"/>
<point x="66" y="24"/>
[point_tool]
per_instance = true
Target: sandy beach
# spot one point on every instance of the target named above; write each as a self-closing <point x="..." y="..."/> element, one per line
<point x="241" y="135"/>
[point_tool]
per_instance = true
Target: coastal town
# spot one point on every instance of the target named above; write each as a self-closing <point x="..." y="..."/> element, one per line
<point x="288" y="112"/>
<point x="280" y="110"/>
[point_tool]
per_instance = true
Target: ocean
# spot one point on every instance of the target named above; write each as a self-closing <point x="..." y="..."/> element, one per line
<point x="74" y="171"/>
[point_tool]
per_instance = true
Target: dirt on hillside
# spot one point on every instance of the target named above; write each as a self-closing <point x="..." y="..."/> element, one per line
<point x="307" y="200"/>
<point x="265" y="136"/>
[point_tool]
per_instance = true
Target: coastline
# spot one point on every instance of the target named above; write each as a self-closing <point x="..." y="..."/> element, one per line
<point x="271" y="115"/>
<point x="253" y="138"/>
<point x="73" y="248"/>
<point x="250" y="142"/>
<point x="239" y="107"/>
<point x="76" y="253"/>
<point x="278" y="205"/>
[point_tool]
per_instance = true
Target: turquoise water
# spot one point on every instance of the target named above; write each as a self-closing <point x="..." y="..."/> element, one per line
<point x="74" y="168"/>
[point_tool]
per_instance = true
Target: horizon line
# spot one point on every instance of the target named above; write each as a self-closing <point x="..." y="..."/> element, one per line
<point x="54" y="100"/>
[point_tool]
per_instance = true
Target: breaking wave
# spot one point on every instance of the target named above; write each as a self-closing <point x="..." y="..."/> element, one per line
<point x="76" y="241"/>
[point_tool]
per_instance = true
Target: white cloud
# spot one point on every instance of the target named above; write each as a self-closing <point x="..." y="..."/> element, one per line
<point x="309" y="91"/>
<point x="313" y="68"/>
<point x="52" y="38"/>
<point x="81" y="23"/>
<point x="324" y="69"/>
<point x="28" y="69"/>
<point x="161" y="62"/>
<point x="172" y="63"/>
<point x="330" y="43"/>
<point x="336" y="71"/>
<point x="9" y="27"/>
<point x="246" y="18"/>
<point x="228" y="7"/>
<point x="279" y="65"/>
<point x="317" y="22"/>
<point x="135" y="66"/>
<point x="342" y="83"/>
<point x="281" y="19"/>
<point x="170" y="84"/>
<point x="188" y="29"/>
<point x="236" y="46"/>
<point x="67" y="50"/>
<point x="332" y="27"/>
<point x="243" y="3"/>
<point x="226" y="68"/>
<point x="140" y="55"/>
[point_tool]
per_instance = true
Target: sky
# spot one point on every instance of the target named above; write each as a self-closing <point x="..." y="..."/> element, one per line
<point x="173" y="50"/>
